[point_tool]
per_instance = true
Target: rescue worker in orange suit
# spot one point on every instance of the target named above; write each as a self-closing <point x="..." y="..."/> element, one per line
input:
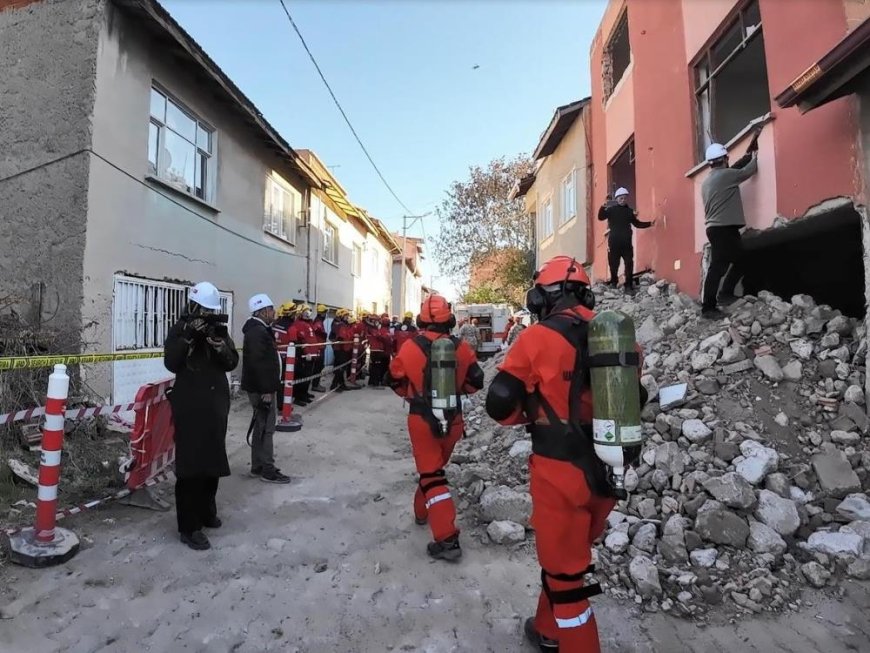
<point x="380" y="348"/>
<point x="301" y="333"/>
<point x="404" y="332"/>
<point x="280" y="330"/>
<point x="543" y="383"/>
<point x="431" y="443"/>
<point x="320" y="334"/>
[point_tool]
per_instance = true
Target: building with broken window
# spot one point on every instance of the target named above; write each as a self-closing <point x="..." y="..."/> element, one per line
<point x="133" y="167"/>
<point x="669" y="78"/>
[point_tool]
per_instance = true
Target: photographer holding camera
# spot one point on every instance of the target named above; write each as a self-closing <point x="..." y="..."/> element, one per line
<point x="200" y="352"/>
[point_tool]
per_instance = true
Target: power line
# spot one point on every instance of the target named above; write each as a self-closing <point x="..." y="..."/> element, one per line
<point x="343" y="114"/>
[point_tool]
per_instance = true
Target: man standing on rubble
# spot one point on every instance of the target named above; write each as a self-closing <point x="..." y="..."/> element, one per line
<point x="621" y="217"/>
<point x="724" y="218"/>
<point x="200" y="352"/>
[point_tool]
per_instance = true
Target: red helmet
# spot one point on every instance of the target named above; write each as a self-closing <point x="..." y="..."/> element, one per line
<point x="561" y="269"/>
<point x="435" y="310"/>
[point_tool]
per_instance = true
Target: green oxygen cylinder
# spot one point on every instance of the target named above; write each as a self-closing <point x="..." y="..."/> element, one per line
<point x="616" y="426"/>
<point x="442" y="366"/>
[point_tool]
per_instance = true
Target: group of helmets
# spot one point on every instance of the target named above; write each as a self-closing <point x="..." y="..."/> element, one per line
<point x="292" y="309"/>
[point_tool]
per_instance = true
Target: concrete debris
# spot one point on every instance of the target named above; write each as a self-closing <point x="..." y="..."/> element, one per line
<point x="756" y="457"/>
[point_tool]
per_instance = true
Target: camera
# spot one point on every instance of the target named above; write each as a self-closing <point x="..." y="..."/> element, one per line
<point x="215" y="325"/>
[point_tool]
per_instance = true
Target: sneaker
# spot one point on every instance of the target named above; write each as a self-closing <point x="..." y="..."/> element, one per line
<point x="275" y="477"/>
<point x="196" y="540"/>
<point x="214" y="522"/>
<point x="543" y="643"/>
<point x="448" y="549"/>
<point x="713" y="314"/>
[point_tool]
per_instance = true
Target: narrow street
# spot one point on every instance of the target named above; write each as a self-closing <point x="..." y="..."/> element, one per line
<point x="262" y="586"/>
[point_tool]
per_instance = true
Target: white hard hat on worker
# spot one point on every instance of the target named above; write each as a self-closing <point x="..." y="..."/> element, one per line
<point x="259" y="302"/>
<point x="715" y="151"/>
<point x="206" y="295"/>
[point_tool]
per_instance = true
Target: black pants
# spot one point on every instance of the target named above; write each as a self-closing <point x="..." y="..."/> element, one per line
<point x="621" y="250"/>
<point x="340" y="369"/>
<point x="304" y="369"/>
<point x="379" y="363"/>
<point x="726" y="256"/>
<point x="195" y="503"/>
<point x="318" y="369"/>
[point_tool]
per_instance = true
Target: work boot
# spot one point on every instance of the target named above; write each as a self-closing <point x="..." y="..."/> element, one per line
<point x="275" y="477"/>
<point x="213" y="522"/>
<point x="196" y="540"/>
<point x="448" y="549"/>
<point x="544" y="644"/>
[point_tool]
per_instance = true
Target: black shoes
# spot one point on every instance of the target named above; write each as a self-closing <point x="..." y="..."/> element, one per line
<point x="196" y="540"/>
<point x="448" y="549"/>
<point x="214" y="522"/>
<point x="275" y="477"/>
<point x="545" y="644"/>
<point x="713" y="314"/>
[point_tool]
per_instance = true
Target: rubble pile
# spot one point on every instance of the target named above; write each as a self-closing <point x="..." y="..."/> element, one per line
<point x="751" y="488"/>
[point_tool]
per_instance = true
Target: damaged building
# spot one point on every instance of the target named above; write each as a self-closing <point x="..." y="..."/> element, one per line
<point x="670" y="78"/>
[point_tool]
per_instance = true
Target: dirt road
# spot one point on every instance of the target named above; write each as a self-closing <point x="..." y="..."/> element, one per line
<point x="263" y="586"/>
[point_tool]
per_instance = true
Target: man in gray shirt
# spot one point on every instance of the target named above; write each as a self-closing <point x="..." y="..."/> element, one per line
<point x="724" y="218"/>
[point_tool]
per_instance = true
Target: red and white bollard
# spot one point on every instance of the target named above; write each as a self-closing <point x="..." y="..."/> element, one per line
<point x="46" y="544"/>
<point x="288" y="422"/>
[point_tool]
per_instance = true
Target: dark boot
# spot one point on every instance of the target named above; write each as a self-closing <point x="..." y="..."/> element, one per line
<point x="196" y="540"/>
<point x="448" y="549"/>
<point x="545" y="644"/>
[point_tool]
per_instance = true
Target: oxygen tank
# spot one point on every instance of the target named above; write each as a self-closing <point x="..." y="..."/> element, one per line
<point x="616" y="426"/>
<point x="442" y="366"/>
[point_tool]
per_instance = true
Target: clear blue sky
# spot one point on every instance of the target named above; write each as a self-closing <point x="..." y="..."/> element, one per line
<point x="402" y="69"/>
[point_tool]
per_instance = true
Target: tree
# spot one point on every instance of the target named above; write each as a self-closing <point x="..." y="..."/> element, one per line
<point x="484" y="295"/>
<point x="480" y="224"/>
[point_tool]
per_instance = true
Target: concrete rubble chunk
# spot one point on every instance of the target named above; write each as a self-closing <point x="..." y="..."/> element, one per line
<point x="504" y="504"/>
<point x="731" y="489"/>
<point x="645" y="538"/>
<point x="835" y="474"/>
<point x="778" y="513"/>
<point x="816" y="574"/>
<point x="520" y="448"/>
<point x="769" y="367"/>
<point x="701" y="360"/>
<point x="722" y="526"/>
<point x="645" y="575"/>
<point x="672" y="546"/>
<point x="617" y="541"/>
<point x="718" y="341"/>
<point x="649" y="332"/>
<point x="763" y="539"/>
<point x="854" y="394"/>
<point x="704" y="557"/>
<point x="840" y="325"/>
<point x="845" y="437"/>
<point x="506" y="532"/>
<point x="696" y="431"/>
<point x="836" y="544"/>
<point x="802" y="348"/>
<point x="793" y="371"/>
<point x="855" y="507"/>
<point x="669" y="458"/>
<point x="758" y="461"/>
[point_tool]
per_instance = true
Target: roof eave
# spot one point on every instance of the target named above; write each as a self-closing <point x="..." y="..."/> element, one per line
<point x="562" y="120"/>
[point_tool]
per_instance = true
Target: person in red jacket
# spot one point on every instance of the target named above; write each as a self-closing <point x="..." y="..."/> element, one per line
<point x="320" y="334"/>
<point x="404" y="332"/>
<point x="431" y="442"/>
<point x="302" y="334"/>
<point x="543" y="383"/>
<point x="360" y="329"/>
<point x="380" y="349"/>
<point x="341" y="335"/>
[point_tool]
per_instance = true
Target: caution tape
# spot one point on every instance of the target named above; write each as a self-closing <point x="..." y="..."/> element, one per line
<point x="74" y="510"/>
<point x="80" y="413"/>
<point x="35" y="362"/>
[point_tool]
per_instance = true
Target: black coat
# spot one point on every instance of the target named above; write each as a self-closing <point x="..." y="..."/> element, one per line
<point x="261" y="364"/>
<point x="200" y="402"/>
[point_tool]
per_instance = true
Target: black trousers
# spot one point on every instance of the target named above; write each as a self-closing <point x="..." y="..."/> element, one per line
<point x="341" y="357"/>
<point x="380" y="362"/>
<point x="318" y="369"/>
<point x="726" y="260"/>
<point x="195" y="503"/>
<point x="304" y="369"/>
<point x="624" y="251"/>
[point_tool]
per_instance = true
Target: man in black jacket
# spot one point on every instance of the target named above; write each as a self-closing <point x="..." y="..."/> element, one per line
<point x="261" y="379"/>
<point x="200" y="352"/>
<point x="620" y="219"/>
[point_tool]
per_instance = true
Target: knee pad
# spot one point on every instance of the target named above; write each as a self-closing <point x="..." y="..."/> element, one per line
<point x="575" y="595"/>
<point x="430" y="480"/>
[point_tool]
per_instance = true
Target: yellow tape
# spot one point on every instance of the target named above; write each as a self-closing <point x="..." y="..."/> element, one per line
<point x="35" y="362"/>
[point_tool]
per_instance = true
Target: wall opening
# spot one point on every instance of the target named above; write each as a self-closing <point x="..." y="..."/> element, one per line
<point x="821" y="256"/>
<point x="617" y="55"/>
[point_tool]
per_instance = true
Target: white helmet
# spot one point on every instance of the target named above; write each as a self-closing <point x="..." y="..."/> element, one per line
<point x="620" y="192"/>
<point x="206" y="295"/>
<point x="259" y="302"/>
<point x="715" y="151"/>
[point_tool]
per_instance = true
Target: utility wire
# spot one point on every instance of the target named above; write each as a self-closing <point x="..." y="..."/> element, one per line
<point x="343" y="114"/>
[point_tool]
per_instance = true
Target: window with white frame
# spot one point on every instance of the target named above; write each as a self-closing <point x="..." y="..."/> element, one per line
<point x="546" y="214"/>
<point x="569" y="198"/>
<point x="356" y="263"/>
<point x="731" y="84"/>
<point x="143" y="311"/>
<point x="180" y="147"/>
<point x="330" y="243"/>
<point x="279" y="211"/>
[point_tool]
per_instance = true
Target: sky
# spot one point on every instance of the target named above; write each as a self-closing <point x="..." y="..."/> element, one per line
<point x="404" y="72"/>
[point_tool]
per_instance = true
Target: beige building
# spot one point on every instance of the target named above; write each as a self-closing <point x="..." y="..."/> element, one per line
<point x="556" y="193"/>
